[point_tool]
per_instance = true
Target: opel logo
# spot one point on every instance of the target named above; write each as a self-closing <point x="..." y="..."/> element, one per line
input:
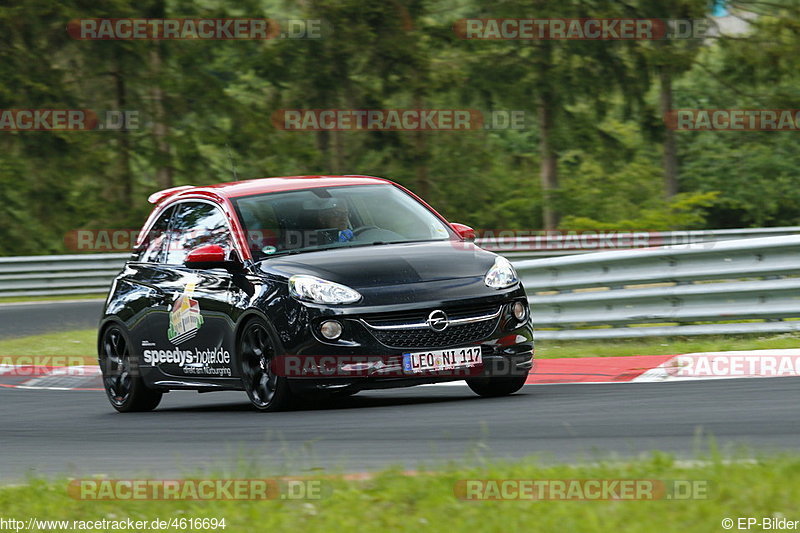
<point x="438" y="320"/>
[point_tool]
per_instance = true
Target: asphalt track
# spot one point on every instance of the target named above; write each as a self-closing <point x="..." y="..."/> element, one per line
<point x="21" y="319"/>
<point x="49" y="432"/>
<point x="77" y="432"/>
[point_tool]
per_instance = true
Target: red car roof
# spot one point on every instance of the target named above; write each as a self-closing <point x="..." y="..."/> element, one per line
<point x="236" y="189"/>
<point x="223" y="192"/>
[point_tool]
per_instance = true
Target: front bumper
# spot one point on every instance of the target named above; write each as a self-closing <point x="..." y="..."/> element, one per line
<point x="366" y="358"/>
<point x="388" y="377"/>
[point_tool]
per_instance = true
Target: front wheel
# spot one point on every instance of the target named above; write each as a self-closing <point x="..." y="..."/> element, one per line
<point x="122" y="381"/>
<point x="493" y="387"/>
<point x="266" y="390"/>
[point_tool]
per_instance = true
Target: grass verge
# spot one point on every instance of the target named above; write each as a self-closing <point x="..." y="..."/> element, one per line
<point x="390" y="501"/>
<point x="77" y="346"/>
<point x="553" y="349"/>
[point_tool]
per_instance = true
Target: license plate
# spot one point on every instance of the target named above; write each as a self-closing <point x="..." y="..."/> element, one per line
<point x="436" y="360"/>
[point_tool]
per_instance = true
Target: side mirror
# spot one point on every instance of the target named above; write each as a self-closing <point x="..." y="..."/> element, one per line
<point x="208" y="256"/>
<point x="465" y="232"/>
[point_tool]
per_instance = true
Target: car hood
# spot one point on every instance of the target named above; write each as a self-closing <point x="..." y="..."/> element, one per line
<point x="385" y="265"/>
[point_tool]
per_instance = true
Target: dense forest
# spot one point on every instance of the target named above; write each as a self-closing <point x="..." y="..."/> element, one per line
<point x="594" y="151"/>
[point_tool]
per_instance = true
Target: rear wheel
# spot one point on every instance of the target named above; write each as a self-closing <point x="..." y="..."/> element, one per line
<point x="493" y="387"/>
<point x="266" y="390"/>
<point x="121" y="378"/>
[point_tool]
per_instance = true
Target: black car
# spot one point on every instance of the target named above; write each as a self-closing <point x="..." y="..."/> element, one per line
<point x="308" y="286"/>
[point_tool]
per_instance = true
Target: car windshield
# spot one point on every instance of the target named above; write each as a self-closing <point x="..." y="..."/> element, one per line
<point x="335" y="217"/>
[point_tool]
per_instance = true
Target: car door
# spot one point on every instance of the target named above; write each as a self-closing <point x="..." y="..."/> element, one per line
<point x="138" y="294"/>
<point x="192" y="327"/>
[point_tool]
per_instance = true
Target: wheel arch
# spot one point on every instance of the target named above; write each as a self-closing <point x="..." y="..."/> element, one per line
<point x="253" y="313"/>
<point x="106" y="323"/>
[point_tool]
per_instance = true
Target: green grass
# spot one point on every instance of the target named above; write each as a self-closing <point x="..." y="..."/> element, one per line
<point x="553" y="349"/>
<point x="395" y="502"/>
<point x="77" y="346"/>
<point x="82" y="343"/>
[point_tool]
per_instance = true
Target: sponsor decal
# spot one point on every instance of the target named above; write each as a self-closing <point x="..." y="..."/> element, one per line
<point x="184" y="317"/>
<point x="192" y="361"/>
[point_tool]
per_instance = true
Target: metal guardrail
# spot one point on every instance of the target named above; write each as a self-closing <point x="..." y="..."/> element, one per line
<point x="520" y="245"/>
<point x="710" y="286"/>
<point x="741" y="286"/>
<point x="57" y="275"/>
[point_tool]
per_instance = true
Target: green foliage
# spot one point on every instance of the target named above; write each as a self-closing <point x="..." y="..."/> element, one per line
<point x="390" y="500"/>
<point x="204" y="103"/>
<point x="683" y="211"/>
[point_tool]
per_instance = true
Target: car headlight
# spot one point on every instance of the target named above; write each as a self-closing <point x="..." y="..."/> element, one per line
<point x="321" y="291"/>
<point x="501" y="275"/>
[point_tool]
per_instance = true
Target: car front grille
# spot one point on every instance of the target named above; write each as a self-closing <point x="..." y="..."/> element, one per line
<point x="408" y="329"/>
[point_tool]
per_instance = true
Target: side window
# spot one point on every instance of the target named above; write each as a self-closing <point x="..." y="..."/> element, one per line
<point x="196" y="224"/>
<point x="152" y="249"/>
<point x="260" y="224"/>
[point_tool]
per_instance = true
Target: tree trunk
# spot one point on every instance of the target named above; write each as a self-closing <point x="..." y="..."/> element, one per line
<point x="670" y="156"/>
<point x="338" y="152"/>
<point x="548" y="170"/>
<point x="160" y="130"/>
<point x="421" y="154"/>
<point x="324" y="147"/>
<point x="124" y="142"/>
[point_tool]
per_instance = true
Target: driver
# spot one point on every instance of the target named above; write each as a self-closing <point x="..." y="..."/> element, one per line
<point x="337" y="216"/>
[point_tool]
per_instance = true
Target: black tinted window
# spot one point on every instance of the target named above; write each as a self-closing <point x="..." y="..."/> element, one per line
<point x="153" y="246"/>
<point x="196" y="224"/>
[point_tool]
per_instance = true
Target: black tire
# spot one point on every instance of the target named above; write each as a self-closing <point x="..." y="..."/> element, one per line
<point x="493" y="387"/>
<point x="256" y="349"/>
<point x="122" y="380"/>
